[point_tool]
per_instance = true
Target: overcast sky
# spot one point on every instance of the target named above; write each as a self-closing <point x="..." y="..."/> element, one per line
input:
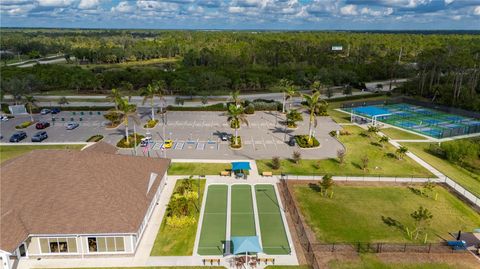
<point x="244" y="14"/>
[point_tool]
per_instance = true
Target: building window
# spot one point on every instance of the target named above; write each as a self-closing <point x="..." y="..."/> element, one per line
<point x="58" y="245"/>
<point x="106" y="244"/>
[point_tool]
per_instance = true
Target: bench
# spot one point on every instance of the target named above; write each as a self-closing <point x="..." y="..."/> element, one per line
<point x="266" y="260"/>
<point x="267" y="174"/>
<point x="211" y="261"/>
<point x="225" y="173"/>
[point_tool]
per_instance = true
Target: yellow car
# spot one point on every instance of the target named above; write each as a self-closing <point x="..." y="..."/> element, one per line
<point x="168" y="144"/>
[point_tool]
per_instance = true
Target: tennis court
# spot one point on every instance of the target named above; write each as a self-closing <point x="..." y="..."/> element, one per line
<point x="242" y="215"/>
<point x="272" y="229"/>
<point x="426" y="121"/>
<point x="212" y="236"/>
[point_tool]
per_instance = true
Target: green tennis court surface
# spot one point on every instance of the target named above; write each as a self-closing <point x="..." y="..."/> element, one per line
<point x="214" y="224"/>
<point x="274" y="238"/>
<point x="242" y="216"/>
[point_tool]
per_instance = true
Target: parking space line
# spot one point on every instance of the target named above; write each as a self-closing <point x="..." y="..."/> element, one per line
<point x="253" y="143"/>
<point x="179" y="145"/>
<point x="200" y="146"/>
<point x="263" y="140"/>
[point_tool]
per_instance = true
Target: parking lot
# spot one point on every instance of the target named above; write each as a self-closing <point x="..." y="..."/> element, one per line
<point x="195" y="135"/>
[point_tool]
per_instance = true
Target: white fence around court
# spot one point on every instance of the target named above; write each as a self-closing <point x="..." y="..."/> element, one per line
<point x="378" y="178"/>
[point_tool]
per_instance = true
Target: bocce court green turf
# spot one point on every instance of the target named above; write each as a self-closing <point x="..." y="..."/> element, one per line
<point x="242" y="215"/>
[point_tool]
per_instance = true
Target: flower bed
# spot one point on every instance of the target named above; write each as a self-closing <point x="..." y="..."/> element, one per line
<point x="123" y="142"/>
<point x="302" y="141"/>
<point x="150" y="124"/>
<point x="239" y="142"/>
<point x="95" y="138"/>
<point x="24" y="125"/>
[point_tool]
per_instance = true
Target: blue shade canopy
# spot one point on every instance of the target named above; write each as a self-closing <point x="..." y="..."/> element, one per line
<point x="371" y="111"/>
<point x="245" y="244"/>
<point x="240" y="166"/>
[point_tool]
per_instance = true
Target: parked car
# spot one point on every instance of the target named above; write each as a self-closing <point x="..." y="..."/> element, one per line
<point x="168" y="144"/>
<point x="292" y="142"/>
<point x="45" y="111"/>
<point x="3" y="117"/>
<point x="18" y="136"/>
<point x="39" y="136"/>
<point x="42" y="125"/>
<point x="224" y="137"/>
<point x="55" y="110"/>
<point x="72" y="125"/>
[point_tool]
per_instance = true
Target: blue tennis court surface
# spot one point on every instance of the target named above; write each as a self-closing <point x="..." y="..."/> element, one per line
<point x="419" y="119"/>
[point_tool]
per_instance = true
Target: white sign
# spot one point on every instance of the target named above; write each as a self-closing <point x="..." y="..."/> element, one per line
<point x="337" y="48"/>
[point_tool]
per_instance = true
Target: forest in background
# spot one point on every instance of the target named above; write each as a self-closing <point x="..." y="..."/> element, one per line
<point x="442" y="67"/>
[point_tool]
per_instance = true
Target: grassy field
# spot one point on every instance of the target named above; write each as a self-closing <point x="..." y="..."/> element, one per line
<point x="370" y="261"/>
<point x="395" y="133"/>
<point x="467" y="179"/>
<point x="379" y="162"/>
<point x="175" y="242"/>
<point x="8" y="152"/>
<point x="354" y="214"/>
<point x="198" y="168"/>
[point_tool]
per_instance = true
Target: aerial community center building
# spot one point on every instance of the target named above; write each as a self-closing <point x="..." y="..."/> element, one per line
<point x="72" y="203"/>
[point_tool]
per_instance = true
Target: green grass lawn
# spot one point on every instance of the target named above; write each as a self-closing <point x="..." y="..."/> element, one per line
<point x="177" y="242"/>
<point x="370" y="261"/>
<point x="469" y="180"/>
<point x="395" y="133"/>
<point x="357" y="146"/>
<point x="8" y="152"/>
<point x="354" y="214"/>
<point x="198" y="168"/>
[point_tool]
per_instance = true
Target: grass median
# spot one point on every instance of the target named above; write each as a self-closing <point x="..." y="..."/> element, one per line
<point x="8" y="152"/>
<point x="198" y="168"/>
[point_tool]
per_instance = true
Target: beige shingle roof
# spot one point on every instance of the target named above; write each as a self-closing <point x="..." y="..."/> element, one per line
<point x="73" y="192"/>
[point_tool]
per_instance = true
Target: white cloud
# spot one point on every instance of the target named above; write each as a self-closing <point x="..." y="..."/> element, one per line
<point x="123" y="7"/>
<point x="88" y="4"/>
<point x="54" y="3"/>
<point x="448" y="2"/>
<point x="349" y="10"/>
<point x="376" y="13"/>
<point x="236" y="10"/>
<point x="476" y="11"/>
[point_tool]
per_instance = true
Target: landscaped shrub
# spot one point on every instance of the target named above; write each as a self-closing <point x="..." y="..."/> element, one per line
<point x="78" y="108"/>
<point x="150" y="124"/>
<point x="95" y="138"/>
<point x="232" y="142"/>
<point x="267" y="106"/>
<point x="180" y="221"/>
<point x="345" y="132"/>
<point x="302" y="141"/>
<point x="250" y="109"/>
<point x="234" y="124"/>
<point x="275" y="163"/>
<point x="123" y="142"/>
<point x="214" y="107"/>
<point x="296" y="157"/>
<point x="24" y="125"/>
<point x="114" y="117"/>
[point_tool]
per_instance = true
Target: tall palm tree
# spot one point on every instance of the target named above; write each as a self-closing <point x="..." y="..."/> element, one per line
<point x="127" y="110"/>
<point x="236" y="114"/>
<point x="288" y="89"/>
<point x="311" y="103"/>
<point x="30" y="102"/>
<point x="316" y="86"/>
<point x="149" y="93"/>
<point x="115" y="97"/>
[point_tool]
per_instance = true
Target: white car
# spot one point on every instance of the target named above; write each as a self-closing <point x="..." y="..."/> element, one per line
<point x="72" y="125"/>
<point x="3" y="118"/>
<point x="45" y="111"/>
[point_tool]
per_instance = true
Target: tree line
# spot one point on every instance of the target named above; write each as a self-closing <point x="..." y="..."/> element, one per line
<point x="444" y="67"/>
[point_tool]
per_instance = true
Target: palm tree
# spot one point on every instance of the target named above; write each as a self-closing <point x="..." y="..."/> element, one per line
<point x="30" y="103"/>
<point x="384" y="139"/>
<point x="127" y="110"/>
<point x="402" y="150"/>
<point x="288" y="89"/>
<point x="236" y="114"/>
<point x="115" y="97"/>
<point x="316" y="86"/>
<point x="235" y="97"/>
<point x="311" y="104"/>
<point x="154" y="89"/>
